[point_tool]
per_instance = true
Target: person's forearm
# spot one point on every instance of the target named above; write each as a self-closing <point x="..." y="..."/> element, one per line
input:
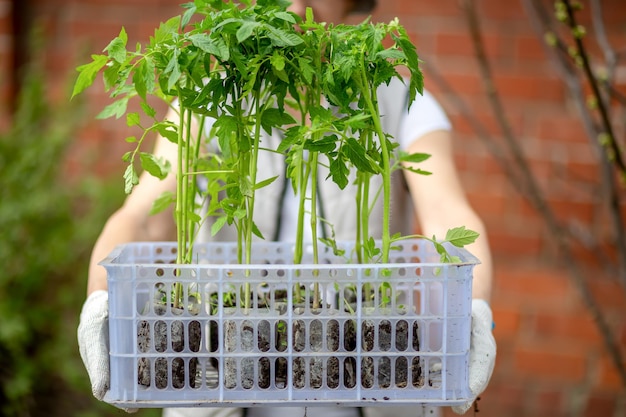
<point x="116" y="231"/>
<point x="483" y="273"/>
<point x="131" y="223"/>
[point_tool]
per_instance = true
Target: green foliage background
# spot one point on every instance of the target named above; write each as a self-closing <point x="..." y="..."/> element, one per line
<point x="48" y="225"/>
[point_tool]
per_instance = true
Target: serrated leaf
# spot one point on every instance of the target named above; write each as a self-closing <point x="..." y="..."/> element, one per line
<point x="246" y="30"/>
<point x="281" y="38"/>
<point x="162" y="202"/>
<point x="390" y="54"/>
<point x="339" y="172"/>
<point x="265" y="183"/>
<point x="166" y="30"/>
<point x="130" y="179"/>
<point x="417" y="170"/>
<point x="257" y="231"/>
<point x="117" y="109"/>
<point x="460" y="236"/>
<point x="218" y="224"/>
<point x="117" y="47"/>
<point x="277" y="61"/>
<point x="148" y="109"/>
<point x="133" y="119"/>
<point x="193" y="217"/>
<point x="307" y="70"/>
<point x="128" y="155"/>
<point x="324" y="145"/>
<point x="358" y="156"/>
<point x="215" y="47"/>
<point x="111" y="75"/>
<point x="309" y="15"/>
<point x="191" y="10"/>
<point x="286" y="16"/>
<point x="273" y="117"/>
<point x="167" y="130"/>
<point x="441" y="250"/>
<point x="87" y="73"/>
<point x="173" y="69"/>
<point x="139" y="80"/>
<point x="156" y="167"/>
<point x="245" y="186"/>
<point x="413" y="157"/>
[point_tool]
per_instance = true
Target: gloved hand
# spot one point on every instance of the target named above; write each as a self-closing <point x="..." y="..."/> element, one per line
<point x="93" y="342"/>
<point x="482" y="357"/>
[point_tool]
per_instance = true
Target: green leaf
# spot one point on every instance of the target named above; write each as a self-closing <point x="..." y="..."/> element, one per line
<point x="112" y="75"/>
<point x="414" y="157"/>
<point x="390" y="54"/>
<point x="273" y="117"/>
<point x="148" y="109"/>
<point x="265" y="183"/>
<point x="214" y="47"/>
<point x="140" y="79"/>
<point x="129" y="155"/>
<point x="166" y="30"/>
<point x="87" y="73"/>
<point x="339" y="172"/>
<point x="117" y="109"/>
<point x="460" y="236"/>
<point x="441" y="250"/>
<point x="167" y="130"/>
<point x="218" y="225"/>
<point x="324" y="145"/>
<point x="173" y="68"/>
<point x="193" y="217"/>
<point x="257" y="231"/>
<point x="286" y="16"/>
<point x="117" y="47"/>
<point x="162" y="202"/>
<point x="191" y="10"/>
<point x="245" y="186"/>
<point x="281" y="38"/>
<point x="246" y="30"/>
<point x="292" y="135"/>
<point x="307" y="70"/>
<point x="277" y="61"/>
<point x="224" y="128"/>
<point x="130" y="179"/>
<point x="133" y="119"/>
<point x="358" y="156"/>
<point x="157" y="167"/>
<point x="310" y="19"/>
<point x="417" y="170"/>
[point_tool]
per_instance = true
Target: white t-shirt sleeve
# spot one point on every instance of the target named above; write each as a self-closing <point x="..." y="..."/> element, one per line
<point x="424" y="116"/>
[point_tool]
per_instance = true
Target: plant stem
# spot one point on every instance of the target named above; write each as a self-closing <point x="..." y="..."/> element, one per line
<point x="180" y="200"/>
<point x="371" y="99"/>
<point x="313" y="164"/>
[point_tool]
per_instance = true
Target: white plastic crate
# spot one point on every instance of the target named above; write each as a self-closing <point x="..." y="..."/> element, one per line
<point x="407" y="343"/>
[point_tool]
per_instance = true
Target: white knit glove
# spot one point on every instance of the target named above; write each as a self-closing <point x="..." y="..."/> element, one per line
<point x="482" y="352"/>
<point x="93" y="342"/>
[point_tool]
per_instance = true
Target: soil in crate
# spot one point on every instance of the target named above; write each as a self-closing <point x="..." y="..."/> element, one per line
<point x="158" y="339"/>
<point x="333" y="371"/>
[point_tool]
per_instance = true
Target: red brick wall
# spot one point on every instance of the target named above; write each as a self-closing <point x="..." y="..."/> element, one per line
<point x="551" y="360"/>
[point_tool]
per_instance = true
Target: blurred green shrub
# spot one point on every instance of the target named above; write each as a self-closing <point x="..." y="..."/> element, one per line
<point x="48" y="224"/>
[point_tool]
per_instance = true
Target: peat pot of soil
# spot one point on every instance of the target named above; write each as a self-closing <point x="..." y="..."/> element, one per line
<point x="217" y="332"/>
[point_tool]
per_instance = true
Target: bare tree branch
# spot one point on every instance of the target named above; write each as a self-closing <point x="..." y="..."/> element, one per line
<point x="558" y="233"/>
<point x="610" y="191"/>
<point x="607" y="135"/>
